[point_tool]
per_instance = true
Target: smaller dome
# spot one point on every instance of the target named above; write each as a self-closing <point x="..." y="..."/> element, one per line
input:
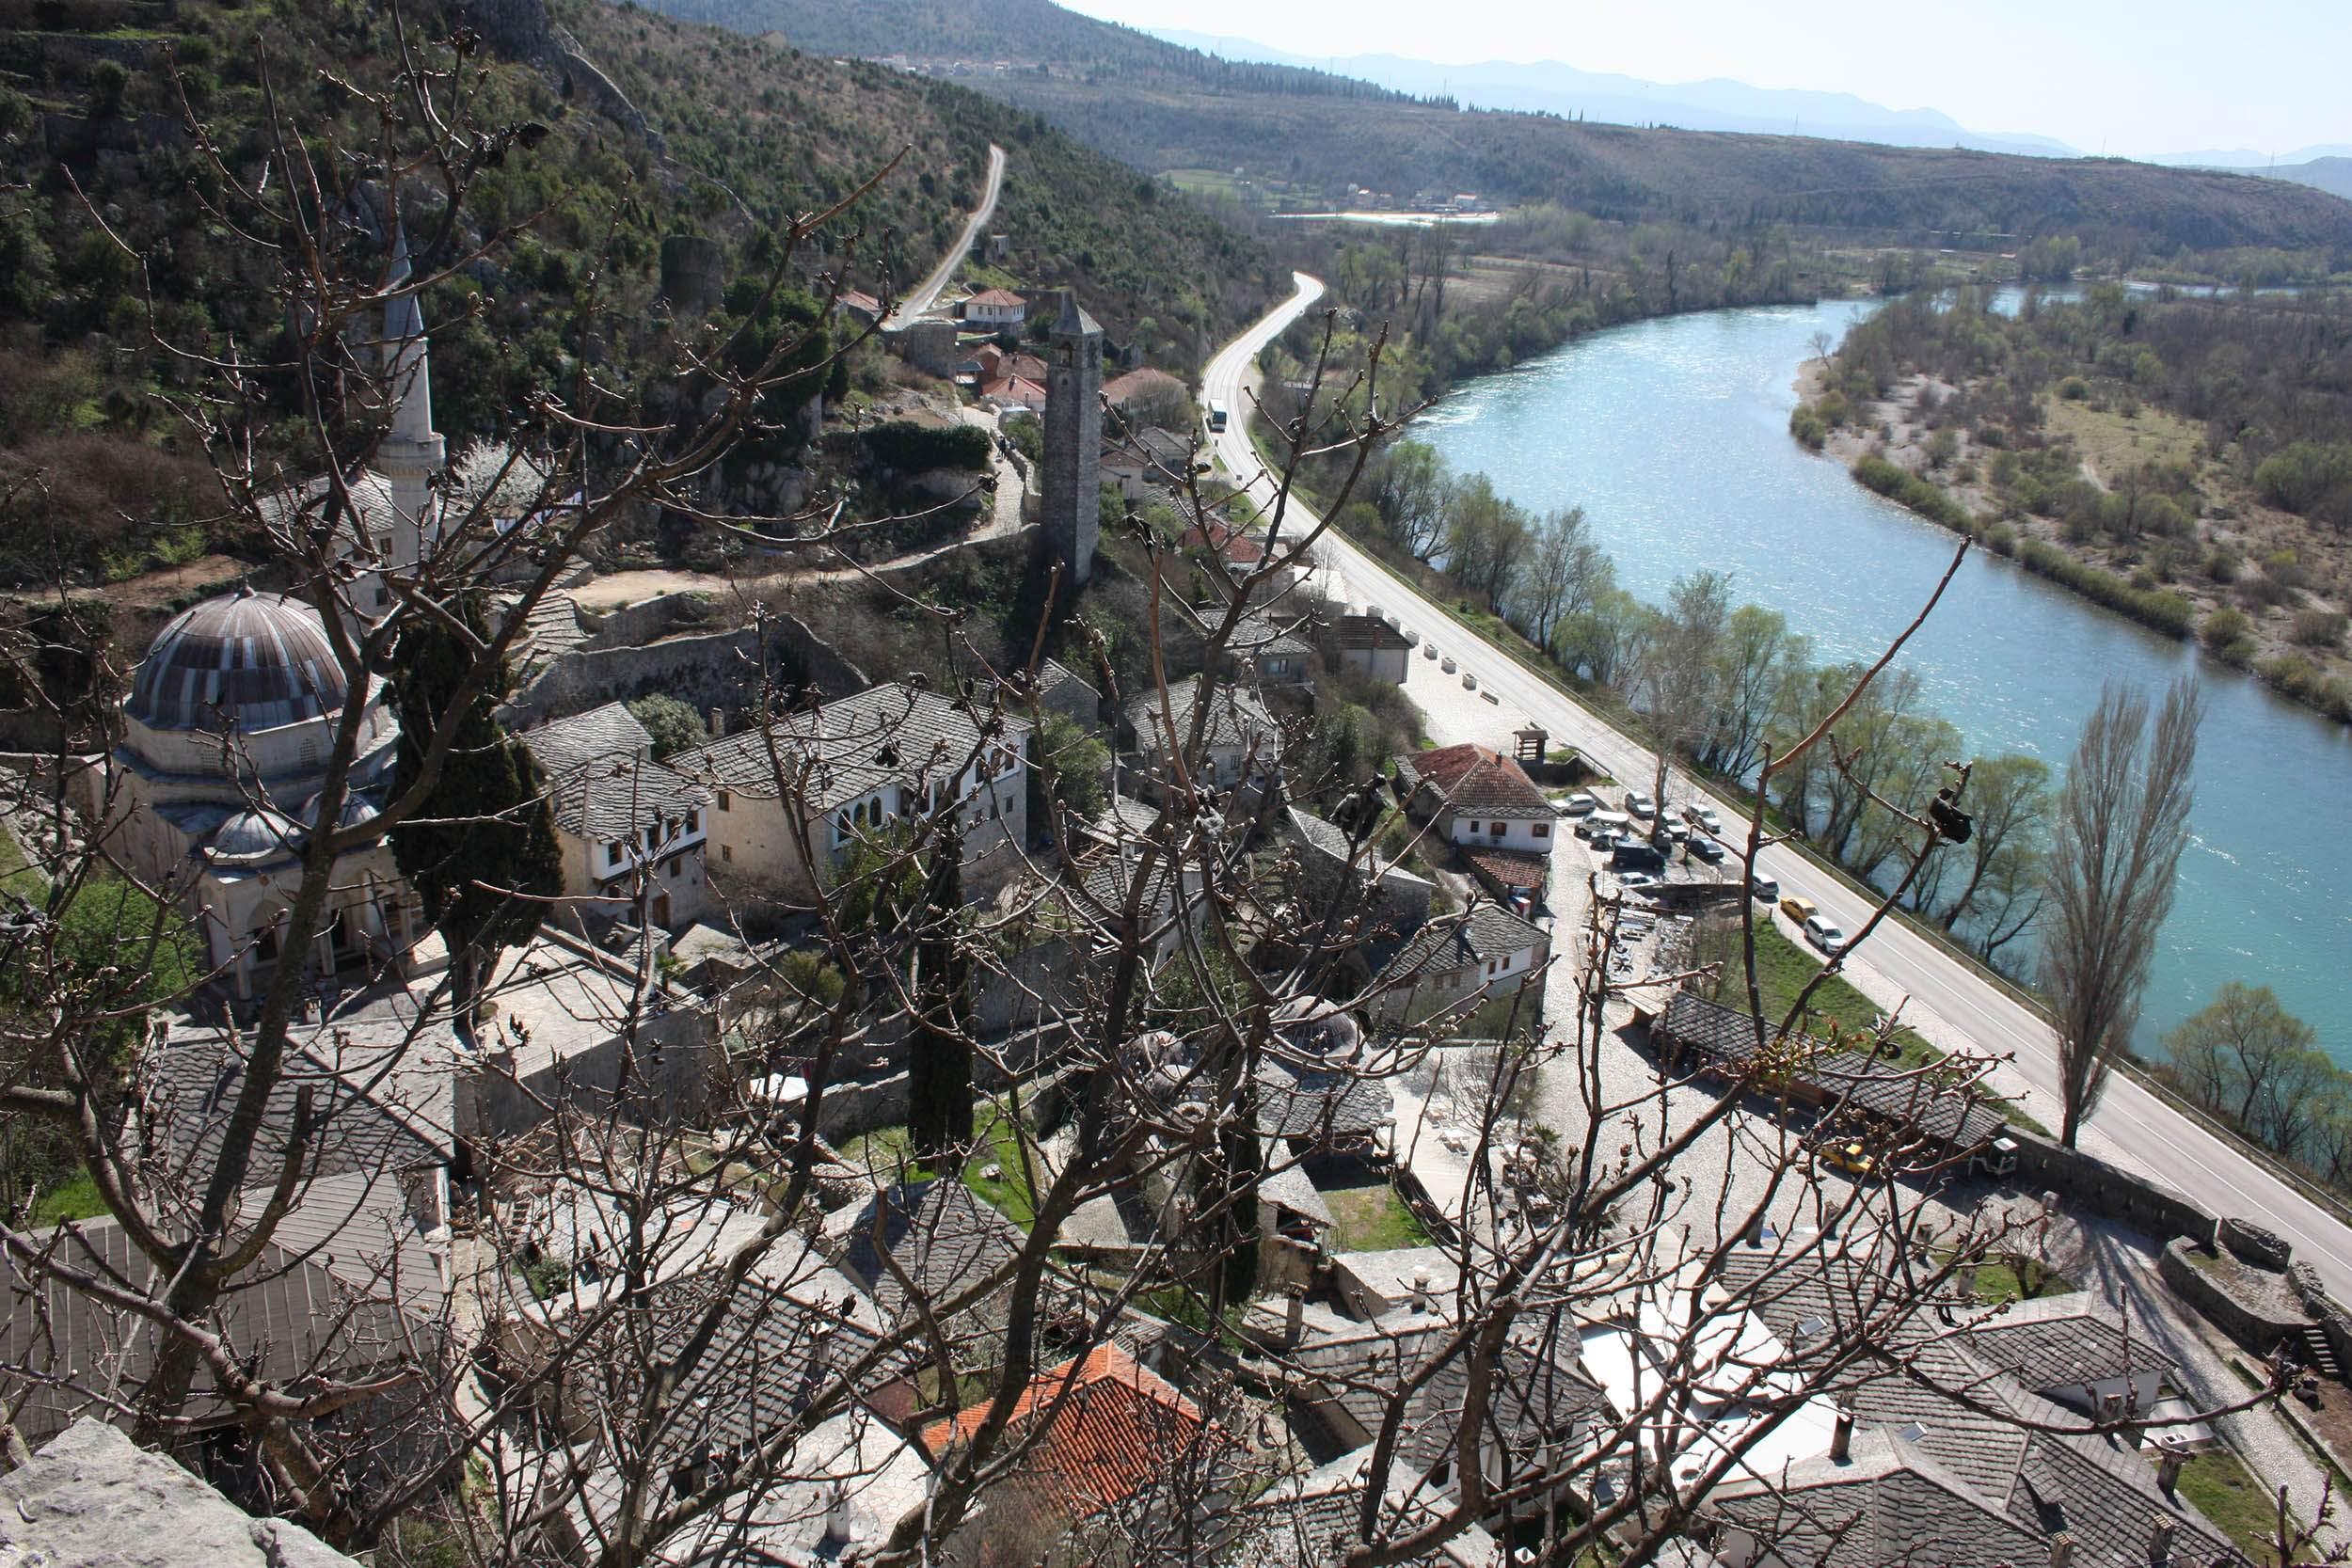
<point x="247" y="662"/>
<point x="253" y="838"/>
<point x="359" y="808"/>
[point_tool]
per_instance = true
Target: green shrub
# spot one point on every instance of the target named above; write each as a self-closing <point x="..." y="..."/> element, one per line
<point x="1808" y="427"/>
<point x="2167" y="612"/>
<point x="911" y="448"/>
<point x="2074" y="389"/>
<point x="2229" y="633"/>
<point x="2317" y="629"/>
<point x="1907" y="489"/>
<point x="2224" y="565"/>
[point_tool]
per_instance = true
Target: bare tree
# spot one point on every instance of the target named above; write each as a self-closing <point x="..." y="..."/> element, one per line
<point x="2122" y="821"/>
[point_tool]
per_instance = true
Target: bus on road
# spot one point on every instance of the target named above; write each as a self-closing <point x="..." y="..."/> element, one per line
<point x="1216" y="418"/>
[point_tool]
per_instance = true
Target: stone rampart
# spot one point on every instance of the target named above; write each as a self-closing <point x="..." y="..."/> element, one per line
<point x="2089" y="1182"/>
<point x="2258" y="1324"/>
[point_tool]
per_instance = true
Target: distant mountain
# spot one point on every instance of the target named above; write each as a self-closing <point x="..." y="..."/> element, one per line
<point x="1551" y="88"/>
<point x="2330" y="174"/>
<point x="2259" y="162"/>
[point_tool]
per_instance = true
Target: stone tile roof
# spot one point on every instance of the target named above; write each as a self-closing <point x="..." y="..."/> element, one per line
<point x="1369" y="631"/>
<point x="290" y="1318"/>
<point x="2062" y="1341"/>
<point x="1237" y="717"/>
<point x="938" y="1233"/>
<point x="1959" y="1120"/>
<point x="1312" y="1519"/>
<point x="892" y="734"/>
<point x="1449" y="943"/>
<point x="564" y="744"/>
<point x="1263" y="635"/>
<point x="616" y="802"/>
<point x="1320" y="1105"/>
<point x="1476" y="780"/>
<point x="1111" y="1426"/>
<point x="378" y="1083"/>
<point x="1983" y="1460"/>
<point x="93" y="1499"/>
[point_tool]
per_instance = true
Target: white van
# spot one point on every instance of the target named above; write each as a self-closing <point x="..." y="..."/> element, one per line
<point x="1601" y="826"/>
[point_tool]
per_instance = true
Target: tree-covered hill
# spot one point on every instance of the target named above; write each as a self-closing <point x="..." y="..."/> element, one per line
<point x="639" y="127"/>
<point x="1160" y="107"/>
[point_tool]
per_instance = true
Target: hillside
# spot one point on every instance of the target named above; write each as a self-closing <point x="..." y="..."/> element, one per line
<point x="643" y="127"/>
<point x="1122" y="92"/>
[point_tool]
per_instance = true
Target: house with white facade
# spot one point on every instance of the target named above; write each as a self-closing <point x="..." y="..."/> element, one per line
<point x="1370" y="646"/>
<point x="632" y="832"/>
<point x="792" y="800"/>
<point x="996" y="310"/>
<point x="1485" y="803"/>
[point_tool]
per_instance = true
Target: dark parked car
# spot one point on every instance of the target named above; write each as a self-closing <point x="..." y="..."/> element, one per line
<point x="1701" y="848"/>
<point x="1631" y="854"/>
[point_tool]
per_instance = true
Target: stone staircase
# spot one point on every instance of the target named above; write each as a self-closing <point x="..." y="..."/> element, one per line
<point x="2313" y="1348"/>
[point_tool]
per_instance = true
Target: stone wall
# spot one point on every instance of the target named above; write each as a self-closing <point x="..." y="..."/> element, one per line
<point x="714" y="670"/>
<point x="2091" y="1182"/>
<point x="2258" y="1325"/>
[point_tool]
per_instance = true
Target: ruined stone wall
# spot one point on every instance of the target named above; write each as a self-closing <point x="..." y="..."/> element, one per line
<point x="717" y="670"/>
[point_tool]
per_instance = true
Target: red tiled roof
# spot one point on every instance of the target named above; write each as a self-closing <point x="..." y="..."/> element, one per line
<point x="1017" y="388"/>
<point x="995" y="296"/>
<point x="1117" y="1426"/>
<point x="1228" y="540"/>
<point x="1510" y="867"/>
<point x="1119" y="389"/>
<point x="1475" y="779"/>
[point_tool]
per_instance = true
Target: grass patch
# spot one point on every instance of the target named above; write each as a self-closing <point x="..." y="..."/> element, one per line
<point x="2229" y="1494"/>
<point x="1783" y="970"/>
<point x="1372" y="1219"/>
<point x="2113" y="445"/>
<point x="16" y="873"/>
<point x="996" y="1143"/>
<point x="2009" y="1276"/>
<point x="76" y="1199"/>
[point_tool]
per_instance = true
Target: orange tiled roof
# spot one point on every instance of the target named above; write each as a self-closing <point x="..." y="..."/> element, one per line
<point x="1117" y="1426"/>
<point x="1511" y="868"/>
<point x="1480" y="781"/>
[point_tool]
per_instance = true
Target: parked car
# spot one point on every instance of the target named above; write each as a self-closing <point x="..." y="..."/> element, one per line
<point x="1825" y="934"/>
<point x="1700" y="847"/>
<point x="1635" y="880"/>
<point x="1764" y="888"/>
<point x="1602" y="827"/>
<point x="1703" y="816"/>
<point x="1582" y="804"/>
<point x="1631" y="854"/>
<point x="1672" y="832"/>
<point x="1850" y="1156"/>
<point x="1799" y="909"/>
<point x="1640" y="806"/>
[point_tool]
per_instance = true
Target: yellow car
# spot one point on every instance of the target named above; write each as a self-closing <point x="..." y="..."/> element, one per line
<point x="1852" y="1158"/>
<point x="1798" y="909"/>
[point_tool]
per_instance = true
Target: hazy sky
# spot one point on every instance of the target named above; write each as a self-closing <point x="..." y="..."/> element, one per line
<point x="2139" y="76"/>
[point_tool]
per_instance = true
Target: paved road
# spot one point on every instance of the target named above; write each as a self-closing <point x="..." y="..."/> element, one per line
<point x="923" y="297"/>
<point x="2140" y="1129"/>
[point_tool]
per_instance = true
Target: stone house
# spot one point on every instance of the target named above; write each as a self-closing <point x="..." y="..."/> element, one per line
<point x="1370" y="647"/>
<point x="1241" y="746"/>
<point x="1455" y="962"/>
<point x="1145" y="459"/>
<point x="1271" y="649"/>
<point x="632" y="831"/>
<point x="849" y="769"/>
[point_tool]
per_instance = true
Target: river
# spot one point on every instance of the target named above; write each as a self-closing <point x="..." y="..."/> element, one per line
<point x="1673" y="435"/>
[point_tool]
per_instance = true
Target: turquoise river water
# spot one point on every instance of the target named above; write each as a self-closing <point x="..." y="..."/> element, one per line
<point x="1673" y="435"/>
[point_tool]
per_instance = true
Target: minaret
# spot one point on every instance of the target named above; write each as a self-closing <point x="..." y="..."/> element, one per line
<point x="411" y="453"/>
<point x="1073" y="440"/>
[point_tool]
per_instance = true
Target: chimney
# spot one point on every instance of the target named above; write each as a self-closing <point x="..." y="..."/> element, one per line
<point x="1841" y="1437"/>
<point x="2160" y="1540"/>
<point x="2169" y="1457"/>
<point x="2062" y="1549"/>
<point x="1293" y="1316"/>
<point x="840" y="1521"/>
<point x="1421" y="1289"/>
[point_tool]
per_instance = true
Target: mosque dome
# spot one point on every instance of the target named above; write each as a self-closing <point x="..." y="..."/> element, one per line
<point x="254" y="838"/>
<point x="248" y="662"/>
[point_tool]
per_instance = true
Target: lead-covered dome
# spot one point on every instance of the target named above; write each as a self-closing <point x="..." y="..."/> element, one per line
<point x="250" y="661"/>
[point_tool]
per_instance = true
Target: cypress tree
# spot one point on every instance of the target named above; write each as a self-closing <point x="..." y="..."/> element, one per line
<point x="481" y="850"/>
<point x="939" y="1055"/>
